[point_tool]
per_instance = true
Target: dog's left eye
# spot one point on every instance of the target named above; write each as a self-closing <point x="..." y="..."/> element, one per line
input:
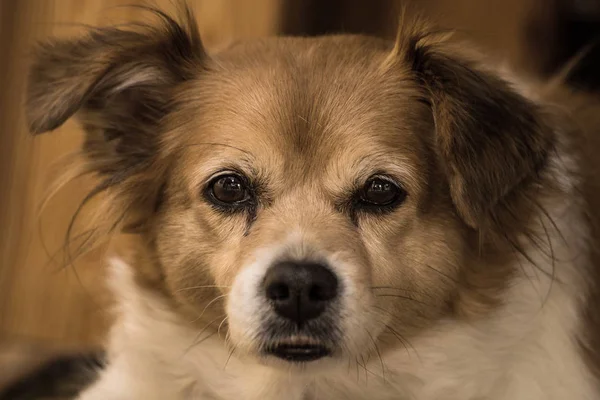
<point x="228" y="189"/>
<point x="381" y="192"/>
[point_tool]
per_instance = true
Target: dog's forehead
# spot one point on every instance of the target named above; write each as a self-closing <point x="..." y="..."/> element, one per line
<point x="308" y="100"/>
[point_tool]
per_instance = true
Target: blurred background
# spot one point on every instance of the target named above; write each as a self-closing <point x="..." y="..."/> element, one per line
<point x="46" y="307"/>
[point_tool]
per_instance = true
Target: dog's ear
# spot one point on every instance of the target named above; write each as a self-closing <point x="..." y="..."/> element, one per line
<point x="118" y="82"/>
<point x="490" y="141"/>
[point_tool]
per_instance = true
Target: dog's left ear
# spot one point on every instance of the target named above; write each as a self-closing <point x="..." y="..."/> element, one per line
<point x="491" y="142"/>
<point x="119" y="83"/>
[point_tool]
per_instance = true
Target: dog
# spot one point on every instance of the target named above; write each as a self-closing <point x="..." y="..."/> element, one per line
<point x="337" y="217"/>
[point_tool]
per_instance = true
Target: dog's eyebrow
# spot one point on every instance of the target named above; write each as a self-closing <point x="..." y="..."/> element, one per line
<point x="387" y="160"/>
<point x="218" y="144"/>
<point x="243" y="164"/>
<point x="405" y="172"/>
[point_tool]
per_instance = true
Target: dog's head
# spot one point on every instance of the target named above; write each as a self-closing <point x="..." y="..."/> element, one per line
<point x="318" y="198"/>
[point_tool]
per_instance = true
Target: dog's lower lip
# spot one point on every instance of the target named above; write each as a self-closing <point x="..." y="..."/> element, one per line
<point x="299" y="352"/>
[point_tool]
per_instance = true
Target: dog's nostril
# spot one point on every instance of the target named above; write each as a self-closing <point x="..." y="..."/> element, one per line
<point x="300" y="291"/>
<point x="278" y="291"/>
<point x="321" y="293"/>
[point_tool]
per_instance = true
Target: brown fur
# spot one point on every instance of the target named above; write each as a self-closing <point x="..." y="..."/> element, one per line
<point x="307" y="120"/>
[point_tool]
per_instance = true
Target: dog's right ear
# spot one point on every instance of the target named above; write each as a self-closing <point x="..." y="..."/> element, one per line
<point x="118" y="82"/>
<point x="492" y="142"/>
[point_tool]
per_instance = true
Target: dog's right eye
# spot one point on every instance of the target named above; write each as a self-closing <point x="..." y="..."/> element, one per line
<point x="228" y="190"/>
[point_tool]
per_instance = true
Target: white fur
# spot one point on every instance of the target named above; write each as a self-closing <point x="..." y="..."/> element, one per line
<point x="246" y="305"/>
<point x="523" y="351"/>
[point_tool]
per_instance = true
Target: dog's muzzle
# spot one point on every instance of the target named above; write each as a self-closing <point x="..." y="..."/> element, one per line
<point x="300" y="294"/>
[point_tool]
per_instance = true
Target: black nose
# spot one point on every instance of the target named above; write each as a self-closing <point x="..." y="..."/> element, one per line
<point x="300" y="291"/>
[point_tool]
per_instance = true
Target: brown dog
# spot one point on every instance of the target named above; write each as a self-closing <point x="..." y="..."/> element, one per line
<point x="338" y="217"/>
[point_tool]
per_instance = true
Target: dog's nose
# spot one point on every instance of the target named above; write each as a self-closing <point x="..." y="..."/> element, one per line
<point x="300" y="291"/>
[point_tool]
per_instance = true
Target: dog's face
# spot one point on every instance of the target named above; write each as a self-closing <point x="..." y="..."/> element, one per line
<point x="318" y="199"/>
<point x="305" y="190"/>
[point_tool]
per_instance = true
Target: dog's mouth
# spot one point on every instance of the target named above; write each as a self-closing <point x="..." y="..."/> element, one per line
<point x="299" y="352"/>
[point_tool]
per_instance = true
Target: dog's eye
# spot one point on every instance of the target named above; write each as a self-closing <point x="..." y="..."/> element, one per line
<point x="382" y="192"/>
<point x="229" y="189"/>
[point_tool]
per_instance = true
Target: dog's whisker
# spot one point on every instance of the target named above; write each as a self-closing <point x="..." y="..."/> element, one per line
<point x="405" y="298"/>
<point x="405" y="342"/>
<point x="202" y="287"/>
<point x="398" y="289"/>
<point x="208" y="305"/>
<point x="364" y="366"/>
<point x="195" y="341"/>
<point x="378" y="353"/>
<point x="394" y="288"/>
<point x="204" y="339"/>
<point x="221" y="324"/>
<point x="229" y="357"/>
